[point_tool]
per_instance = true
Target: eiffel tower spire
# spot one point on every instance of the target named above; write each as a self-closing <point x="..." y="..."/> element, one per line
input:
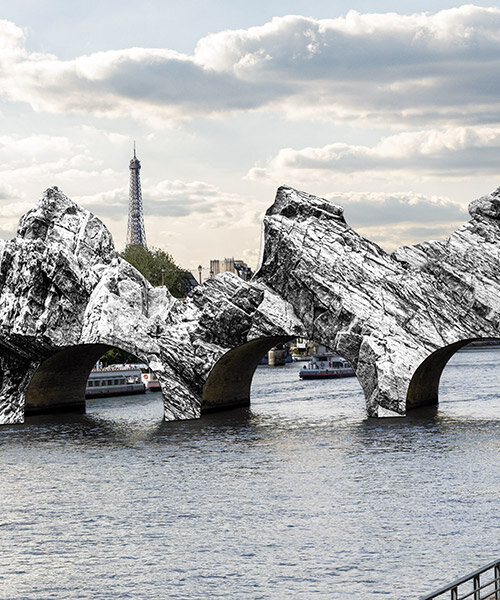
<point x="136" y="235"/>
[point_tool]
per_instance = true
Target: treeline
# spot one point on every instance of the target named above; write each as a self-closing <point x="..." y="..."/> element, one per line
<point x="158" y="267"/>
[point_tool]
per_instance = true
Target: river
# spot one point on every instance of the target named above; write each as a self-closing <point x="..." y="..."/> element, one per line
<point x="298" y="497"/>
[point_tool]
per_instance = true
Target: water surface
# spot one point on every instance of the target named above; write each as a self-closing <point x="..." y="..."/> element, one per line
<point x="300" y="496"/>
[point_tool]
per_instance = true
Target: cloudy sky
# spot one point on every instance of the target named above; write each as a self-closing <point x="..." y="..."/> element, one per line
<point x="390" y="109"/>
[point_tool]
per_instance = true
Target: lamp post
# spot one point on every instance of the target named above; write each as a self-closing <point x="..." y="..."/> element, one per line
<point x="163" y="275"/>
<point x="199" y="272"/>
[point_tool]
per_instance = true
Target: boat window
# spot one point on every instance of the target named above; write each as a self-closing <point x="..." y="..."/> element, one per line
<point x="321" y="358"/>
<point x="103" y="382"/>
<point x="90" y="384"/>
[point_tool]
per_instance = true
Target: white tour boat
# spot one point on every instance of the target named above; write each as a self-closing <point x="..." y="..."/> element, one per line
<point x="326" y="366"/>
<point x="148" y="378"/>
<point x="116" y="380"/>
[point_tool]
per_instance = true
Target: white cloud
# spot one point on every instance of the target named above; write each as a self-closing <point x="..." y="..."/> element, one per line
<point x="180" y="199"/>
<point x="9" y="193"/>
<point x="36" y="148"/>
<point x="454" y="151"/>
<point x="379" y="67"/>
<point x="206" y="205"/>
<point x="110" y="203"/>
<point x="400" y="234"/>
<point x="38" y="161"/>
<point x="12" y="206"/>
<point x="15" y="209"/>
<point x="372" y="209"/>
<point x="113" y="137"/>
<point x="395" y="219"/>
<point x="440" y="70"/>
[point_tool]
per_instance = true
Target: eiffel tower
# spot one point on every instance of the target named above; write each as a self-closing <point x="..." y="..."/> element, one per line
<point x="136" y="235"/>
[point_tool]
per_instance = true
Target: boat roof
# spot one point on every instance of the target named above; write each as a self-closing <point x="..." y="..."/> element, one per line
<point x="107" y="373"/>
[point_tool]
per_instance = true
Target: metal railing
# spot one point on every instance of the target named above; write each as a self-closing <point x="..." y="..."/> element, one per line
<point x="483" y="584"/>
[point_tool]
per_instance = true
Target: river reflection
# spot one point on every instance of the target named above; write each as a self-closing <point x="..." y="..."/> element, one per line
<point x="298" y="496"/>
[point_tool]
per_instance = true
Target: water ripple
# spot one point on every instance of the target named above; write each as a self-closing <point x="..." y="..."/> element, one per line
<point x="298" y="496"/>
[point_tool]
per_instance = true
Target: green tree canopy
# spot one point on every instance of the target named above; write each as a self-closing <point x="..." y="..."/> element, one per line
<point x="151" y="263"/>
<point x="117" y="356"/>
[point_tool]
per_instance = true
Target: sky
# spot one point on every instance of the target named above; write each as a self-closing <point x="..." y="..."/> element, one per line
<point x="389" y="109"/>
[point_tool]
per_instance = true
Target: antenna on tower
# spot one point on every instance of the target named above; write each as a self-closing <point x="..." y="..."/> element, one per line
<point x="134" y="150"/>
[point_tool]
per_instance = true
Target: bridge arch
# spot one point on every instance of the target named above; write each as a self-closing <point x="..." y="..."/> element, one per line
<point x="424" y="384"/>
<point x="229" y="382"/>
<point x="59" y="382"/>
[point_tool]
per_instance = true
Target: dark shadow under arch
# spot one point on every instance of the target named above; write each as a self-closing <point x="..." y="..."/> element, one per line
<point x="229" y="382"/>
<point x="58" y="385"/>
<point x="424" y="385"/>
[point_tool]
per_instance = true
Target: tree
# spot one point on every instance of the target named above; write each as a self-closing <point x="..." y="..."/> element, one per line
<point x="157" y="265"/>
<point x="117" y="356"/>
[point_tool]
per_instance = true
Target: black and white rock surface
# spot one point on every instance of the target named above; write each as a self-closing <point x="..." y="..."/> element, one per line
<point x="66" y="296"/>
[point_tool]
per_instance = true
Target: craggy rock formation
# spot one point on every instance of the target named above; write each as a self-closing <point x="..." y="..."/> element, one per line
<point x="398" y="317"/>
<point x="66" y="297"/>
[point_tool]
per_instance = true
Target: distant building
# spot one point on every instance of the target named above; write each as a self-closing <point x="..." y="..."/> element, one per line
<point x="308" y="347"/>
<point x="230" y="265"/>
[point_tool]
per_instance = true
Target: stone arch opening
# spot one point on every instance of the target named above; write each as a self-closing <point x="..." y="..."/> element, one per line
<point x="424" y="385"/>
<point x="59" y="383"/>
<point x="229" y="382"/>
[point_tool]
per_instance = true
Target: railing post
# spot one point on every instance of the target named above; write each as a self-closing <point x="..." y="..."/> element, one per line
<point x="454" y="593"/>
<point x="497" y="581"/>
<point x="477" y="591"/>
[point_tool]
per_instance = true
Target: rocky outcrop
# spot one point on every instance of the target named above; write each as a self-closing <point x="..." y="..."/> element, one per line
<point x="386" y="313"/>
<point x="66" y="296"/>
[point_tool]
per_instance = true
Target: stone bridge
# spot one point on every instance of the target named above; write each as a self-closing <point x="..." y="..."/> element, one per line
<point x="66" y="297"/>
